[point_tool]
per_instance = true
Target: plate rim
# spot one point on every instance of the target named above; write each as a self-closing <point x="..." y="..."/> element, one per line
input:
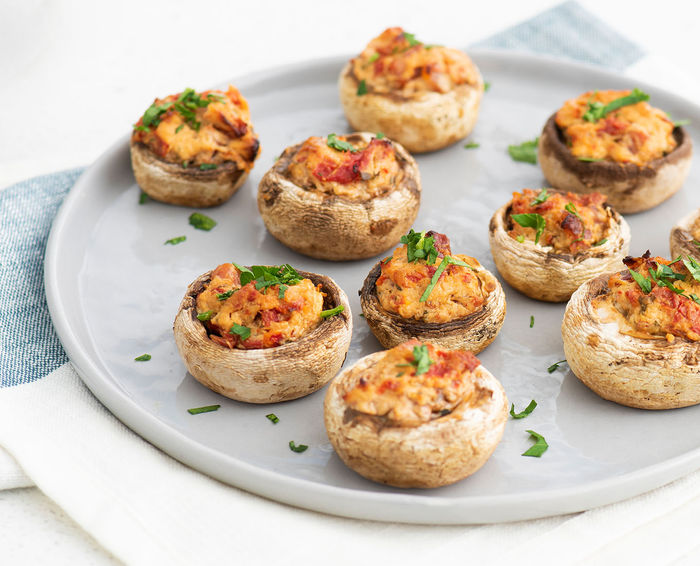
<point x="357" y="503"/>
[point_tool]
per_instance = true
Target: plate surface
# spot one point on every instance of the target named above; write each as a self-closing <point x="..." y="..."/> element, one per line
<point x="113" y="289"/>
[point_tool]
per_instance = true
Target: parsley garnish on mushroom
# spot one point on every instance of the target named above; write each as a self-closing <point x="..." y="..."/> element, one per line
<point x="598" y="110"/>
<point x="267" y="276"/>
<point x="531" y="220"/>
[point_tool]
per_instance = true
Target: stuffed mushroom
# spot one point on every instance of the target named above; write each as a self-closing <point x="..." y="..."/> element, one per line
<point x="685" y="236"/>
<point x="263" y="334"/>
<point x="415" y="416"/>
<point x="615" y="143"/>
<point x="633" y="336"/>
<point x="194" y="149"/>
<point x="341" y="197"/>
<point x="423" y="291"/>
<point x="423" y="96"/>
<point x="546" y="243"/>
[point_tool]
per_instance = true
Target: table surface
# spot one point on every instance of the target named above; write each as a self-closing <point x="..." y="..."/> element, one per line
<point x="78" y="73"/>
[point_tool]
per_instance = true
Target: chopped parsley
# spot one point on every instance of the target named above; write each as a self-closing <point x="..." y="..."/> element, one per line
<point x="692" y="266"/>
<point x="525" y="412"/>
<point x="379" y="136"/>
<point x="571" y="207"/>
<point x="143" y="358"/>
<point x="471" y="145"/>
<point x="201" y="221"/>
<point x="297" y="448"/>
<point x="208" y="166"/>
<point x="242" y="331"/>
<point x="206" y="315"/>
<point x="555" y="366"/>
<point x="590" y="159"/>
<point x="598" y="110"/>
<point x="520" y="238"/>
<point x="266" y="276"/>
<point x="273" y="418"/>
<point x="177" y="130"/>
<point x="362" y="88"/>
<point x="411" y="38"/>
<point x="143" y="198"/>
<point x="541" y="197"/>
<point x="186" y="105"/>
<point x="421" y="359"/>
<point x="419" y="247"/>
<point x="151" y="117"/>
<point x="225" y="295"/>
<point x="643" y="282"/>
<point x="538" y="448"/>
<point x="525" y="152"/>
<point x="532" y="321"/>
<point x="447" y="260"/>
<point x="599" y="243"/>
<point x="487" y="86"/>
<point x="339" y="145"/>
<point x="176" y="240"/>
<point x="679" y="123"/>
<point x="373" y="58"/>
<point x="332" y="312"/>
<point x="207" y="409"/>
<point x="531" y="220"/>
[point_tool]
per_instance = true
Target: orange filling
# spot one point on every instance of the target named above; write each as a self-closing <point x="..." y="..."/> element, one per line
<point x="660" y="313"/>
<point x="371" y="170"/>
<point x="218" y="132"/>
<point x="261" y="317"/>
<point x="574" y="229"/>
<point x="459" y="291"/>
<point x="636" y="134"/>
<point x="395" y="62"/>
<point x="393" y="389"/>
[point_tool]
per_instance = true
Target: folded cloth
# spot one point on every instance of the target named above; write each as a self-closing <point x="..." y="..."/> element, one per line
<point x="145" y="507"/>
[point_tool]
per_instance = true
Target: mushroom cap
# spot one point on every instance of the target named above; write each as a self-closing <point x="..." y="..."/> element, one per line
<point x="334" y="228"/>
<point x="437" y="453"/>
<point x="174" y="184"/>
<point x="473" y="332"/>
<point x="681" y="239"/>
<point x="552" y="276"/>
<point x="421" y="122"/>
<point x="266" y="375"/>
<point x="637" y="372"/>
<point x="629" y="188"/>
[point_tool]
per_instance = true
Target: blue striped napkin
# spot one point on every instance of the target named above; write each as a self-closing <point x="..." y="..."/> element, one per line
<point x="29" y="347"/>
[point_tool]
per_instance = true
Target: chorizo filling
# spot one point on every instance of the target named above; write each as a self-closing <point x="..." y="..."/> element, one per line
<point x="569" y="223"/>
<point x="395" y="62"/>
<point x="415" y="383"/>
<point x="200" y="130"/>
<point x="654" y="298"/>
<point x="275" y="307"/>
<point x="635" y="133"/>
<point x="342" y="166"/>
<point x="422" y="281"/>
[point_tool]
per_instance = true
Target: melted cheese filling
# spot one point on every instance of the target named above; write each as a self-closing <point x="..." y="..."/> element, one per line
<point x="391" y="63"/>
<point x="585" y="223"/>
<point x="638" y="133"/>
<point x="272" y="320"/>
<point x="392" y="389"/>
<point x="459" y="291"/>
<point x="225" y="133"/>
<point x="662" y="313"/>
<point x="370" y="171"/>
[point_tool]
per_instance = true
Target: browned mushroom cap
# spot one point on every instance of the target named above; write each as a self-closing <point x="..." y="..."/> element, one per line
<point x="423" y="122"/>
<point x="543" y="274"/>
<point x="266" y="375"/>
<point x="190" y="186"/>
<point x="473" y="332"/>
<point x="629" y="188"/>
<point x="682" y="241"/>
<point x="437" y="453"/>
<point x="331" y="227"/>
<point x="637" y="372"/>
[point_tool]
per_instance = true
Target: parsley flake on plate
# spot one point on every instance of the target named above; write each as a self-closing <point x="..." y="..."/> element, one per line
<point x="200" y="410"/>
<point x="201" y="221"/>
<point x="525" y="152"/>
<point x="525" y="412"/>
<point x="538" y="448"/>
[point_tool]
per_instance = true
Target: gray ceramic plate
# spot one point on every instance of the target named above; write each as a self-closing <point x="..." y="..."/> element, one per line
<point x="113" y="289"/>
